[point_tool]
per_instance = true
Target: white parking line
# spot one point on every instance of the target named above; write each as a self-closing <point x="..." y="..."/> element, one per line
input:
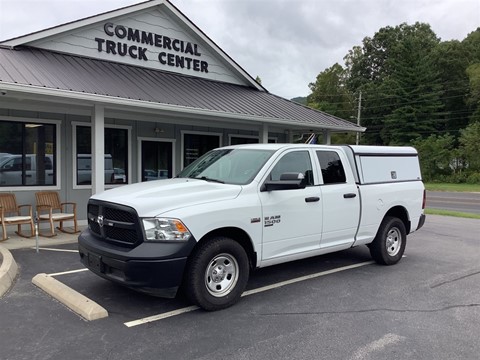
<point x="68" y="272"/>
<point x="160" y="316"/>
<point x="52" y="249"/>
<point x="306" y="277"/>
<point x="246" y="293"/>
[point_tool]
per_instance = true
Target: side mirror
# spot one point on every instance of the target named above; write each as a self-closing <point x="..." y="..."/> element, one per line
<point x="288" y="181"/>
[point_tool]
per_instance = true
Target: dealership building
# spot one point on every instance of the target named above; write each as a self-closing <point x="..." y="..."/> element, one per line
<point x="131" y="95"/>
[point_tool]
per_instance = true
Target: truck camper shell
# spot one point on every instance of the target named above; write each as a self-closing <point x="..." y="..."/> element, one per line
<point x="383" y="164"/>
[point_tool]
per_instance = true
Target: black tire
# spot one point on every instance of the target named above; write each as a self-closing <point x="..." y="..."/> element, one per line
<point x="217" y="274"/>
<point x="389" y="245"/>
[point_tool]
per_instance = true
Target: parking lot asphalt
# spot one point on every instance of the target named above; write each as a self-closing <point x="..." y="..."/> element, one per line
<point x="341" y="307"/>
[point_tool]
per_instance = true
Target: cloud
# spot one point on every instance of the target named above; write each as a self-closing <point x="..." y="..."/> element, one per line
<point x="286" y="43"/>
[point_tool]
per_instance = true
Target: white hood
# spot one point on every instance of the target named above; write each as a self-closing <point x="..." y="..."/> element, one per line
<point x="153" y="198"/>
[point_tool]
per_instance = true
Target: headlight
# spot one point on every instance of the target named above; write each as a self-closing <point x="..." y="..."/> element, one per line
<point x="162" y="229"/>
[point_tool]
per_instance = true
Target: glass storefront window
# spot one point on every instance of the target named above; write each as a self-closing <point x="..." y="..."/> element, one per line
<point x="195" y="145"/>
<point x="116" y="155"/>
<point x="239" y="140"/>
<point x="156" y="160"/>
<point x="27" y="154"/>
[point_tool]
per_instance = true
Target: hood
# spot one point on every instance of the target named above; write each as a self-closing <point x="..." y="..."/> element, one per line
<point x="152" y="198"/>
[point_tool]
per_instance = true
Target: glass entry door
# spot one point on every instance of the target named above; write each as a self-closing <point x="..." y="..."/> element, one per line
<point x="156" y="160"/>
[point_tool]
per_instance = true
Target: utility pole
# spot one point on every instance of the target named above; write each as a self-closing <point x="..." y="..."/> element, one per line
<point x="358" y="116"/>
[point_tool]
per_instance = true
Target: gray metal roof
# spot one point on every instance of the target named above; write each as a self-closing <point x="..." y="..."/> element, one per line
<point x="40" y="68"/>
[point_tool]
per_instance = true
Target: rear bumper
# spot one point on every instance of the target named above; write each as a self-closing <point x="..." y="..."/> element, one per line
<point x="421" y="221"/>
<point x="153" y="268"/>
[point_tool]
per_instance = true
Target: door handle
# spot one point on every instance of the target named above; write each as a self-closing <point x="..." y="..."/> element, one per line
<point x="349" y="196"/>
<point x="312" y="199"/>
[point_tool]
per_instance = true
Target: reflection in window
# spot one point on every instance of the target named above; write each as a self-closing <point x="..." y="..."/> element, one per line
<point x="156" y="160"/>
<point x="27" y="154"/>
<point x="229" y="166"/>
<point x="294" y="162"/>
<point x="195" y="145"/>
<point x="116" y="155"/>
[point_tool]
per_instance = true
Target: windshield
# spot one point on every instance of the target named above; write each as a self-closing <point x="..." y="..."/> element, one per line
<point x="229" y="166"/>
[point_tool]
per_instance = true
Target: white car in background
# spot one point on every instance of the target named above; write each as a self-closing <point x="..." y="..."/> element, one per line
<point x="11" y="168"/>
<point x="119" y="176"/>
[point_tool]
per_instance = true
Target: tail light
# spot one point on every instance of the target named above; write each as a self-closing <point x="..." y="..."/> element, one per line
<point x="424" y="199"/>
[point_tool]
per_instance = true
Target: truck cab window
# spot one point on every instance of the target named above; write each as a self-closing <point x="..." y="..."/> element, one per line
<point x="332" y="168"/>
<point x="296" y="162"/>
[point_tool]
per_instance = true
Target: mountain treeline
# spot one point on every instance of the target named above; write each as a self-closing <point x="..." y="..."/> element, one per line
<point x="415" y="90"/>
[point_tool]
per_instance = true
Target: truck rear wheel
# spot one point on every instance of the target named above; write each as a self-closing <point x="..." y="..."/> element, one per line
<point x="217" y="274"/>
<point x="389" y="245"/>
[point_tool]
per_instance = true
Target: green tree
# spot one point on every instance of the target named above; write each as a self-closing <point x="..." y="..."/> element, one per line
<point x="329" y="93"/>
<point x="413" y="86"/>
<point x="473" y="100"/>
<point x="472" y="46"/>
<point x="436" y="155"/>
<point x="470" y="146"/>
<point x="450" y="59"/>
<point x="417" y="90"/>
<point x="395" y="71"/>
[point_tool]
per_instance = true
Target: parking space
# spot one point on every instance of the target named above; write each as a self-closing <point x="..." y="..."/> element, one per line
<point x="425" y="307"/>
<point x="133" y="308"/>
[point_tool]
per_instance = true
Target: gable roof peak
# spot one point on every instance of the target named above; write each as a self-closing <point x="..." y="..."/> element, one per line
<point x="38" y="37"/>
<point x="76" y="24"/>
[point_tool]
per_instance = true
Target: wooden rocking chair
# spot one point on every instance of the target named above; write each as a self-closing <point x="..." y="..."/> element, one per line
<point x="50" y="209"/>
<point x="11" y="214"/>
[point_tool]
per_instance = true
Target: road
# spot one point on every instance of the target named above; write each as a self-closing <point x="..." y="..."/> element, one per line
<point x="455" y="201"/>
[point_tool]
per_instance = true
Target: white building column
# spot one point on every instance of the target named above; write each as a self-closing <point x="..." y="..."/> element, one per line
<point x="263" y="138"/>
<point x="98" y="149"/>
<point x="327" y="140"/>
<point x="289" y="134"/>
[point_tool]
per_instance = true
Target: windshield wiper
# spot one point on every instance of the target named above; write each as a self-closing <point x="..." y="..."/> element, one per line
<point x="209" y="179"/>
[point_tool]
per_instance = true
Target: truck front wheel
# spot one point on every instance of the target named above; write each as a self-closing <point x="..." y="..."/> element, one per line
<point x="217" y="274"/>
<point x="389" y="245"/>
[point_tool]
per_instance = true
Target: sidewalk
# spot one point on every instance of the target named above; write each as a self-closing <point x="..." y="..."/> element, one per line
<point x="18" y="242"/>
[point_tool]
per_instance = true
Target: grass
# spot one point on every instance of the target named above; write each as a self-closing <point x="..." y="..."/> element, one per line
<point x="453" y="187"/>
<point x="451" y="213"/>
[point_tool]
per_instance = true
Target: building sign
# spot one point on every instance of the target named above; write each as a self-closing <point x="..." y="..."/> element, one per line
<point x="122" y="41"/>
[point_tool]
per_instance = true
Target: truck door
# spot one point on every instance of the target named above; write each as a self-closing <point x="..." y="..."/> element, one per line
<point x="292" y="219"/>
<point x="341" y="202"/>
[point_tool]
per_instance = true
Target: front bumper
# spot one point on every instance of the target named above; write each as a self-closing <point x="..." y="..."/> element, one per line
<point x="153" y="268"/>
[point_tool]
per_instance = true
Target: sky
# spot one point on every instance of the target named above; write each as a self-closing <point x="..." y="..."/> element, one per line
<point x="286" y="43"/>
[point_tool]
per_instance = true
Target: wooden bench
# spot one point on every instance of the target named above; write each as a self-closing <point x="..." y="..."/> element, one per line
<point x="11" y="214"/>
<point x="51" y="209"/>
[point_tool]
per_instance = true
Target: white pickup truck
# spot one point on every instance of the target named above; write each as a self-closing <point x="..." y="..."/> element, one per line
<point x="243" y="207"/>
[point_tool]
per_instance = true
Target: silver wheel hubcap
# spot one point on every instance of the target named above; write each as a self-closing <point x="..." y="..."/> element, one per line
<point x="221" y="275"/>
<point x="393" y="241"/>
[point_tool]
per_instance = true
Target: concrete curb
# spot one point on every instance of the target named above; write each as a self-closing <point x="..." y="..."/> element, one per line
<point x="75" y="301"/>
<point x="8" y="270"/>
